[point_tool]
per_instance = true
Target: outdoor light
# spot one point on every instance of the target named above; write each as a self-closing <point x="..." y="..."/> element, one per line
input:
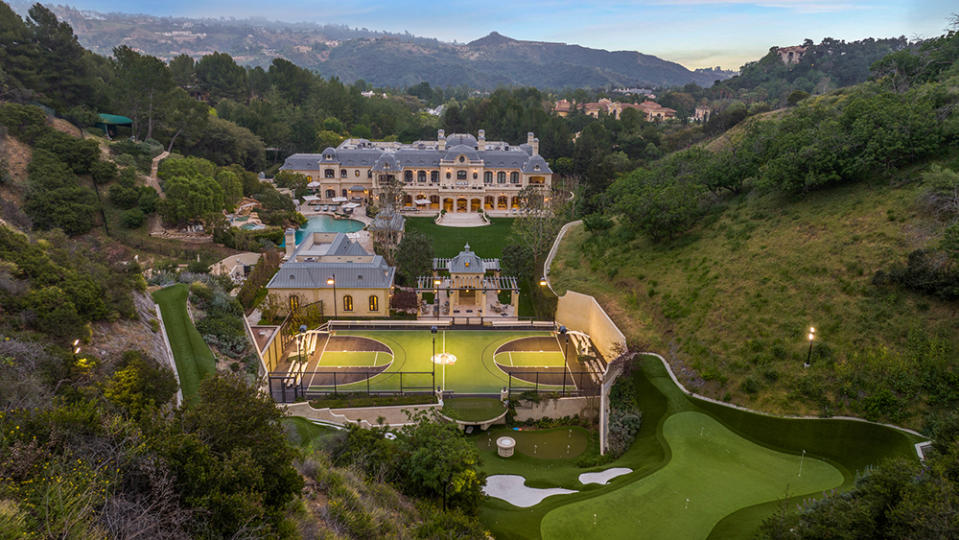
<point x="812" y="336"/>
<point x="76" y="351"/>
<point x="76" y="342"/>
<point x="437" y="282"/>
<point x="542" y="281"/>
<point x="332" y="281"/>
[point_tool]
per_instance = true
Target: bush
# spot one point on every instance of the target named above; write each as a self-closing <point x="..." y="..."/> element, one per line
<point x="103" y="171"/>
<point x="132" y="218"/>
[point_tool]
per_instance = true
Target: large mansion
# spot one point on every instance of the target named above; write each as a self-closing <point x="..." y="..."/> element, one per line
<point x="456" y="173"/>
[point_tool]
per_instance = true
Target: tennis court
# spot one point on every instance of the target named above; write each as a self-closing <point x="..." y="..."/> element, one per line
<point x="530" y="359"/>
<point x="332" y="359"/>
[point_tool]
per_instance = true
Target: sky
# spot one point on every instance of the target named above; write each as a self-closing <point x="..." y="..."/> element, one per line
<point x="695" y="33"/>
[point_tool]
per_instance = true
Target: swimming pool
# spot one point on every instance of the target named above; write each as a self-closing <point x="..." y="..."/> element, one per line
<point x="326" y="223"/>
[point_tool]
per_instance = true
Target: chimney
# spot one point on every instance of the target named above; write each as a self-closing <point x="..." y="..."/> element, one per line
<point x="289" y="239"/>
<point x="441" y="139"/>
<point x="481" y="140"/>
<point x="529" y="138"/>
<point x="535" y="147"/>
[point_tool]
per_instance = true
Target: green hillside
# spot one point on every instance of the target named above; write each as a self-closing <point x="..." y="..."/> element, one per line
<point x="731" y="302"/>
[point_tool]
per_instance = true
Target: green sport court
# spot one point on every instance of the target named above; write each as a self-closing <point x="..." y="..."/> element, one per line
<point x="482" y="359"/>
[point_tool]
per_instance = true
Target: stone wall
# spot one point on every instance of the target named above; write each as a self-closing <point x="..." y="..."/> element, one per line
<point x="587" y="407"/>
<point x="582" y="312"/>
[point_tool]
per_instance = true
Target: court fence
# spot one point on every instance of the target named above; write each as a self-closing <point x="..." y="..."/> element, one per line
<point x="291" y="387"/>
<point x="553" y="382"/>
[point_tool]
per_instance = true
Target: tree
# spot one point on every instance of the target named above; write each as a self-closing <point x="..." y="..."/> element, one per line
<point x="18" y="55"/>
<point x="184" y="115"/>
<point x="219" y="75"/>
<point x="543" y="212"/>
<point x="183" y="71"/>
<point x="62" y="68"/>
<point x="230" y="459"/>
<point x="438" y="461"/>
<point x="518" y="261"/>
<point x="142" y="82"/>
<point x="414" y="257"/>
<point x="139" y="384"/>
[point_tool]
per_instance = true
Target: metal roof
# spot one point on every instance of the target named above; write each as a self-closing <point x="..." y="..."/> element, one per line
<point x="314" y="275"/>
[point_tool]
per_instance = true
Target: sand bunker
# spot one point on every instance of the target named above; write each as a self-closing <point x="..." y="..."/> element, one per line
<point x="512" y="489"/>
<point x="603" y="477"/>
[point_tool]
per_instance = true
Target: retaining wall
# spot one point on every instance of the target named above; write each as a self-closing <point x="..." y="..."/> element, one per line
<point x="557" y="408"/>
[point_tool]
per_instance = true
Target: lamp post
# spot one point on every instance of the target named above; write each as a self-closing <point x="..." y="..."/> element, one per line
<point x="299" y="342"/>
<point x="433" y="358"/>
<point x="332" y="281"/>
<point x="811" y="336"/>
<point x="563" y="332"/>
<point x="543" y="282"/>
<point x="436" y="306"/>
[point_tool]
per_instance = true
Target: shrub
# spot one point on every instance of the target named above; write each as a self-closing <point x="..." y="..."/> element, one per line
<point x="132" y="218"/>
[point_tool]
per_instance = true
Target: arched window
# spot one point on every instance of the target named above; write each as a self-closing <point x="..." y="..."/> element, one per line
<point x="514" y="178"/>
<point x="356" y="173"/>
<point x="408" y="176"/>
<point x="330" y="193"/>
<point x="343" y="173"/>
<point x="421" y="176"/>
<point x="462" y="159"/>
<point x="488" y="177"/>
<point x="347" y="303"/>
<point x="500" y="177"/>
<point x="374" y="303"/>
<point x="448" y="176"/>
<point x="434" y="177"/>
<point x="329" y="173"/>
<point x="369" y="173"/>
<point x="344" y="194"/>
<point x="461" y="175"/>
<point x="475" y="176"/>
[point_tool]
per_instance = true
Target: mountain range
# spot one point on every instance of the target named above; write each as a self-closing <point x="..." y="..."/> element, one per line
<point x="381" y="58"/>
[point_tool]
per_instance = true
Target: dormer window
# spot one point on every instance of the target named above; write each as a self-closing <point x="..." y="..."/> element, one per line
<point x="462" y="159"/>
<point x="536" y="167"/>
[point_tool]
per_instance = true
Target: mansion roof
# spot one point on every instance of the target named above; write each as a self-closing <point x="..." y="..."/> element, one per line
<point x="395" y="157"/>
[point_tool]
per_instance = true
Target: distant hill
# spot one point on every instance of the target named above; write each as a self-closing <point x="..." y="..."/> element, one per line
<point x="382" y="58"/>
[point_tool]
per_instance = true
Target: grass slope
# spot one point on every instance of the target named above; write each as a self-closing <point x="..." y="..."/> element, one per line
<point x="473" y="409"/>
<point x="775" y="443"/>
<point x="733" y="299"/>
<point x="194" y="361"/>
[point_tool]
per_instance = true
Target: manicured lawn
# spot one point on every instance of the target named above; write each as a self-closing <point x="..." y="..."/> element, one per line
<point x="555" y="443"/>
<point x="193" y="358"/>
<point x="713" y="472"/>
<point x="733" y="465"/>
<point x="487" y="241"/>
<point x="473" y="372"/>
<point x="473" y="409"/>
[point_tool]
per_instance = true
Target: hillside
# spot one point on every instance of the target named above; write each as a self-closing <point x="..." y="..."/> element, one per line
<point x="730" y="305"/>
<point x="383" y="59"/>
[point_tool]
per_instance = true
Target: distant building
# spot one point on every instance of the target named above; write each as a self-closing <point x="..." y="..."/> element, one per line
<point x="562" y="107"/>
<point x="458" y="173"/>
<point x="331" y="268"/>
<point x="702" y="114"/>
<point x="791" y="55"/>
<point x="656" y="112"/>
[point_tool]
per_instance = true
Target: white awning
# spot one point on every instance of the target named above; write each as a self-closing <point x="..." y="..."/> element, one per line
<point x="422" y="201"/>
<point x="339" y="199"/>
<point x="351" y="205"/>
<point x="313" y="184"/>
<point x="310" y="198"/>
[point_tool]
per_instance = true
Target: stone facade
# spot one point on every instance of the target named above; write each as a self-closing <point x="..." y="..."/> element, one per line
<point x="456" y="173"/>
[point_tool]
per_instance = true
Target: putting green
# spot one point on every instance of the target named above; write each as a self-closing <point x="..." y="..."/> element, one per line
<point x="473" y="372"/>
<point x="555" y="443"/>
<point x="713" y="472"/>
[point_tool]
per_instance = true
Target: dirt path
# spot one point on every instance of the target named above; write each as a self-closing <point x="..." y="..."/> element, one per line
<point x="153" y="180"/>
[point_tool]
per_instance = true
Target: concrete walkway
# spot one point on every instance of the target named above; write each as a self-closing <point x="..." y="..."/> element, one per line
<point x="468" y="219"/>
<point x="364" y="416"/>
